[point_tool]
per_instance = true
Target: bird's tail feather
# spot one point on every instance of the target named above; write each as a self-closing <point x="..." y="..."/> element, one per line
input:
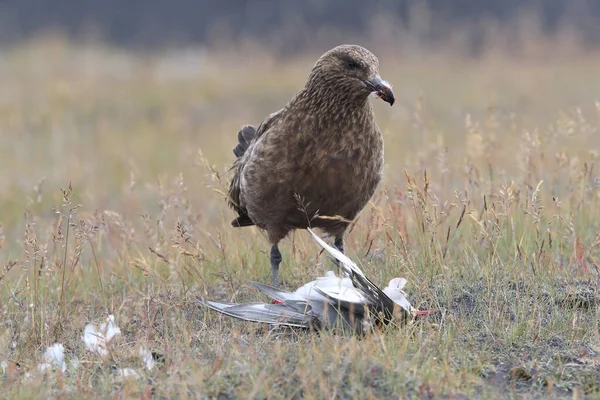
<point x="242" y="220"/>
<point x="245" y="137"/>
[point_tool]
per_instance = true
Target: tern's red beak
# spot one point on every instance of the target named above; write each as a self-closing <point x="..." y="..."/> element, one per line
<point x="423" y="313"/>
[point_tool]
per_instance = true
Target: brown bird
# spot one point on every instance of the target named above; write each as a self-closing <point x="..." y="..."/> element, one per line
<point x="316" y="162"/>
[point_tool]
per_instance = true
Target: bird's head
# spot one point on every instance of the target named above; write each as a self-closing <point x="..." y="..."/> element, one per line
<point x="352" y="71"/>
<point x="394" y="291"/>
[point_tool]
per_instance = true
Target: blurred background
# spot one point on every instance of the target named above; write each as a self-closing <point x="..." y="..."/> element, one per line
<point x="293" y="25"/>
<point x="131" y="101"/>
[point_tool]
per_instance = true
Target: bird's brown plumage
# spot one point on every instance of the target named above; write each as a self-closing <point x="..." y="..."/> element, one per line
<point x="320" y="156"/>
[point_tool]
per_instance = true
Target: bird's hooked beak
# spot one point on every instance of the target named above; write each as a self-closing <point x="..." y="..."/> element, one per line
<point x="382" y="89"/>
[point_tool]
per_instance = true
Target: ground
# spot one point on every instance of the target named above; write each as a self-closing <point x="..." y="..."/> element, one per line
<point x="114" y="165"/>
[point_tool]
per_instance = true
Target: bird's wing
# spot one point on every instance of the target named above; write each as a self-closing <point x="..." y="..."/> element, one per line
<point x="247" y="137"/>
<point x="295" y="301"/>
<point x="277" y="314"/>
<point x="268" y="123"/>
<point x="277" y="294"/>
<point x="375" y="297"/>
<point x="348" y="265"/>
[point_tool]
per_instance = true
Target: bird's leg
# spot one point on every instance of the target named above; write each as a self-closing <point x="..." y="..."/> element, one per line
<point x="275" y="261"/>
<point x="339" y="244"/>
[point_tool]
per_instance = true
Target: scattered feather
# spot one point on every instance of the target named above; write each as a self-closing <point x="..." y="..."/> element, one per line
<point x="43" y="367"/>
<point x="96" y="340"/>
<point x="124" y="373"/>
<point x="147" y="358"/>
<point x="54" y="356"/>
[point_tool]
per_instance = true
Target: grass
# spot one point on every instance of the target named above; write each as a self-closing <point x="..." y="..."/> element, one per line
<point x="489" y="208"/>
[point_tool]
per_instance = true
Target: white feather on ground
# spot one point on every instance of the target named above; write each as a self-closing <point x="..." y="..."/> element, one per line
<point x="96" y="340"/>
<point x="54" y="356"/>
<point x="124" y="373"/>
<point x="147" y="358"/>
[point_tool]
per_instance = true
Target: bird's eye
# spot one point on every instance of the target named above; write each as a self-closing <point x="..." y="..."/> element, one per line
<point x="352" y="64"/>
